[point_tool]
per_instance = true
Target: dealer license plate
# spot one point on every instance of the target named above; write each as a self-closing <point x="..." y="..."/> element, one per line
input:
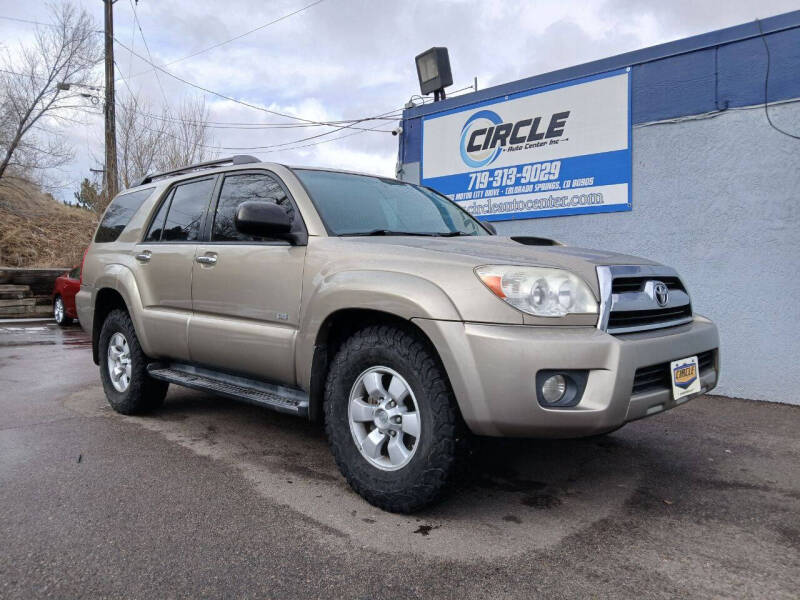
<point x="685" y="377"/>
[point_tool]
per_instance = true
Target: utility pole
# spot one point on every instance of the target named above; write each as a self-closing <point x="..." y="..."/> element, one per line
<point x="110" y="178"/>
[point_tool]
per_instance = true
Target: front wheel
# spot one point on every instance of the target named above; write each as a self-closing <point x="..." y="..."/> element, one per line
<point x="60" y="313"/>
<point x="123" y="368"/>
<point x="391" y="418"/>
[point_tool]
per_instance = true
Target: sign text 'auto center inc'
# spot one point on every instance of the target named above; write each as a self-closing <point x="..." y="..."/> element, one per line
<point x="560" y="150"/>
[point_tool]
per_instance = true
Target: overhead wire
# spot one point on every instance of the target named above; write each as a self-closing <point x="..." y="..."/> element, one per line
<point x="282" y="145"/>
<point x="133" y="42"/>
<point x="26" y="21"/>
<point x="242" y="102"/>
<point x="394" y="114"/>
<point x="246" y="33"/>
<point x="147" y="48"/>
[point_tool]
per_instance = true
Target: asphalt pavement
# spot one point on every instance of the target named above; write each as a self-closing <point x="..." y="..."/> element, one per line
<point x="209" y="498"/>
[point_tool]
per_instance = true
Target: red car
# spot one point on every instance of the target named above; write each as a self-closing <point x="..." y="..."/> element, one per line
<point x="64" y="290"/>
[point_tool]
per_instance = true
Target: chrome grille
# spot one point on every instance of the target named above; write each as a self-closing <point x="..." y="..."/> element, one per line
<point x="629" y="302"/>
<point x="620" y="285"/>
<point x="639" y="318"/>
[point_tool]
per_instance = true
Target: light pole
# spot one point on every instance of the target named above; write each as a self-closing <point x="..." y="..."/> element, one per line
<point x="110" y="186"/>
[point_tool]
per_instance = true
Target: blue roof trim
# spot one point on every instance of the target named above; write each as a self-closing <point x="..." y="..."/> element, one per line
<point x="704" y="41"/>
<point x="705" y="73"/>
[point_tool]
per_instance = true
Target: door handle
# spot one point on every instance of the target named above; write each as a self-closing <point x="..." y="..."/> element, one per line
<point x="207" y="260"/>
<point x="143" y="256"/>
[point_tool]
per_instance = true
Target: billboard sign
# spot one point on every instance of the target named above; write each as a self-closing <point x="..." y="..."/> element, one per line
<point x="564" y="149"/>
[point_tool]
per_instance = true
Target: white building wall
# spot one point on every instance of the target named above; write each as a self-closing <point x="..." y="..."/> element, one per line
<point x="718" y="199"/>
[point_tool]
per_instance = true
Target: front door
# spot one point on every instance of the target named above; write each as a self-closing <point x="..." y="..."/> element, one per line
<point x="164" y="272"/>
<point x="246" y="291"/>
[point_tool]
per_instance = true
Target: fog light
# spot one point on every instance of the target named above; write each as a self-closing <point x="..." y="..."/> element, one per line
<point x="554" y="388"/>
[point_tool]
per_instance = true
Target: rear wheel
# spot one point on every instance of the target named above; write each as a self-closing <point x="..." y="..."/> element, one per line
<point x="123" y="368"/>
<point x="391" y="418"/>
<point x="60" y="313"/>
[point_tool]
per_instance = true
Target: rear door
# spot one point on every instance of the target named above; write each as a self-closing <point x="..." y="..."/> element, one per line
<point x="246" y="291"/>
<point x="164" y="265"/>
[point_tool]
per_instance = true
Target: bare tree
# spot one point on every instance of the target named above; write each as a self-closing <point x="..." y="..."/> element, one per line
<point x="39" y="84"/>
<point x="188" y="137"/>
<point x="148" y="142"/>
<point x="140" y="137"/>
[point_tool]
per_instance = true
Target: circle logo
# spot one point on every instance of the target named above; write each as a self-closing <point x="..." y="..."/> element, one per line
<point x="482" y="119"/>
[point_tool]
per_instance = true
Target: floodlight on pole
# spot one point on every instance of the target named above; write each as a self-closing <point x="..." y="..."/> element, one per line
<point x="433" y="71"/>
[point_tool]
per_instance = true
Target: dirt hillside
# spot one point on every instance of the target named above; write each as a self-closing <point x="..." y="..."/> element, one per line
<point x="38" y="231"/>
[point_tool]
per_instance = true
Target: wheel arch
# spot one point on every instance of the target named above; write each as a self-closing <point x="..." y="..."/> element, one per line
<point x="106" y="300"/>
<point x="334" y="330"/>
<point x="116" y="288"/>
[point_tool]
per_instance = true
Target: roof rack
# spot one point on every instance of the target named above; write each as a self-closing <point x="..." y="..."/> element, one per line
<point x="239" y="159"/>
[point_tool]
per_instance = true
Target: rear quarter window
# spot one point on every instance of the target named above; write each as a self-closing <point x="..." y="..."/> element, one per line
<point x="119" y="214"/>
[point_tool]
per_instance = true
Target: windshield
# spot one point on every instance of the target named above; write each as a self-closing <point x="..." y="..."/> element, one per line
<point x="363" y="205"/>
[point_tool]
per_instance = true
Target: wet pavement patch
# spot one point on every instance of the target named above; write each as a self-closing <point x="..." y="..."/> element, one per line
<point x="508" y="484"/>
<point x="542" y="501"/>
<point x="426" y="529"/>
<point x="20" y="336"/>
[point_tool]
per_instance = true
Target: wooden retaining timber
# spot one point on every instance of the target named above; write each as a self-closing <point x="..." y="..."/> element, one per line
<point x="26" y="293"/>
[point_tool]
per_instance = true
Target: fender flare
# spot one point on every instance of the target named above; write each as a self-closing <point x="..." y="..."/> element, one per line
<point x="399" y="294"/>
<point x="120" y="278"/>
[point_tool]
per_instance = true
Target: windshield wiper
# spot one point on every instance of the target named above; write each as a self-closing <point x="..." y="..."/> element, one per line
<point x="388" y="232"/>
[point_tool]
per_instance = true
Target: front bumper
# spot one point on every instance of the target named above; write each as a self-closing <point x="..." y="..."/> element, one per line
<point x="492" y="369"/>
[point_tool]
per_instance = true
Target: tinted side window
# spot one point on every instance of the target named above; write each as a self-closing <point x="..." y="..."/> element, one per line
<point x="119" y="214"/>
<point x="157" y="226"/>
<point x="186" y="210"/>
<point x="240" y="188"/>
<point x="75" y="273"/>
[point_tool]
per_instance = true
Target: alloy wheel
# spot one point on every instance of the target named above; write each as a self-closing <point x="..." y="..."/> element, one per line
<point x="119" y="362"/>
<point x="384" y="418"/>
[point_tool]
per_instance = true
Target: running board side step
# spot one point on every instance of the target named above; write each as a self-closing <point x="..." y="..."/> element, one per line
<point x="277" y="397"/>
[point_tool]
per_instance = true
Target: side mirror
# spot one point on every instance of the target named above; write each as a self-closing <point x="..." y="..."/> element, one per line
<point x="263" y="219"/>
<point x="490" y="227"/>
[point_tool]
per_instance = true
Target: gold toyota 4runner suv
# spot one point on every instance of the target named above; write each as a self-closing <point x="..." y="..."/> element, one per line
<point x="383" y="309"/>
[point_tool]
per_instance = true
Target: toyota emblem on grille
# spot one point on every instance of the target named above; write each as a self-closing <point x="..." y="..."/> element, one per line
<point x="661" y="293"/>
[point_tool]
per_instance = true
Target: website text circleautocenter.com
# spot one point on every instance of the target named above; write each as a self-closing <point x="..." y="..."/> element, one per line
<point x="489" y="206"/>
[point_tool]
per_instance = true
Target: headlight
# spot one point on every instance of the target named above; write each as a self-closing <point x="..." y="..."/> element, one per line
<point x="539" y="291"/>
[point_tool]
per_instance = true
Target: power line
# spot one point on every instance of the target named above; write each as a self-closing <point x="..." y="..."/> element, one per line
<point x="228" y="41"/>
<point x="394" y="114"/>
<point x="133" y="42"/>
<point x="158" y="79"/>
<point x="242" y="102"/>
<point x="248" y="125"/>
<point x="269" y="147"/>
<point x="341" y="137"/>
<point x="246" y="33"/>
<point x="27" y="21"/>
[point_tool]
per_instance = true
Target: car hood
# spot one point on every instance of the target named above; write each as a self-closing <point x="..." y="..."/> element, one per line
<point x="482" y="250"/>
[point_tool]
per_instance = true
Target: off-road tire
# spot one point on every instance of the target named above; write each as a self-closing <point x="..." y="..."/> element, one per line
<point x="427" y="476"/>
<point x="144" y="393"/>
<point x="65" y="321"/>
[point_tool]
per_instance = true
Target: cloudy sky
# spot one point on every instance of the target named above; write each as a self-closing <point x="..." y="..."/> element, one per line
<point x="346" y="59"/>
